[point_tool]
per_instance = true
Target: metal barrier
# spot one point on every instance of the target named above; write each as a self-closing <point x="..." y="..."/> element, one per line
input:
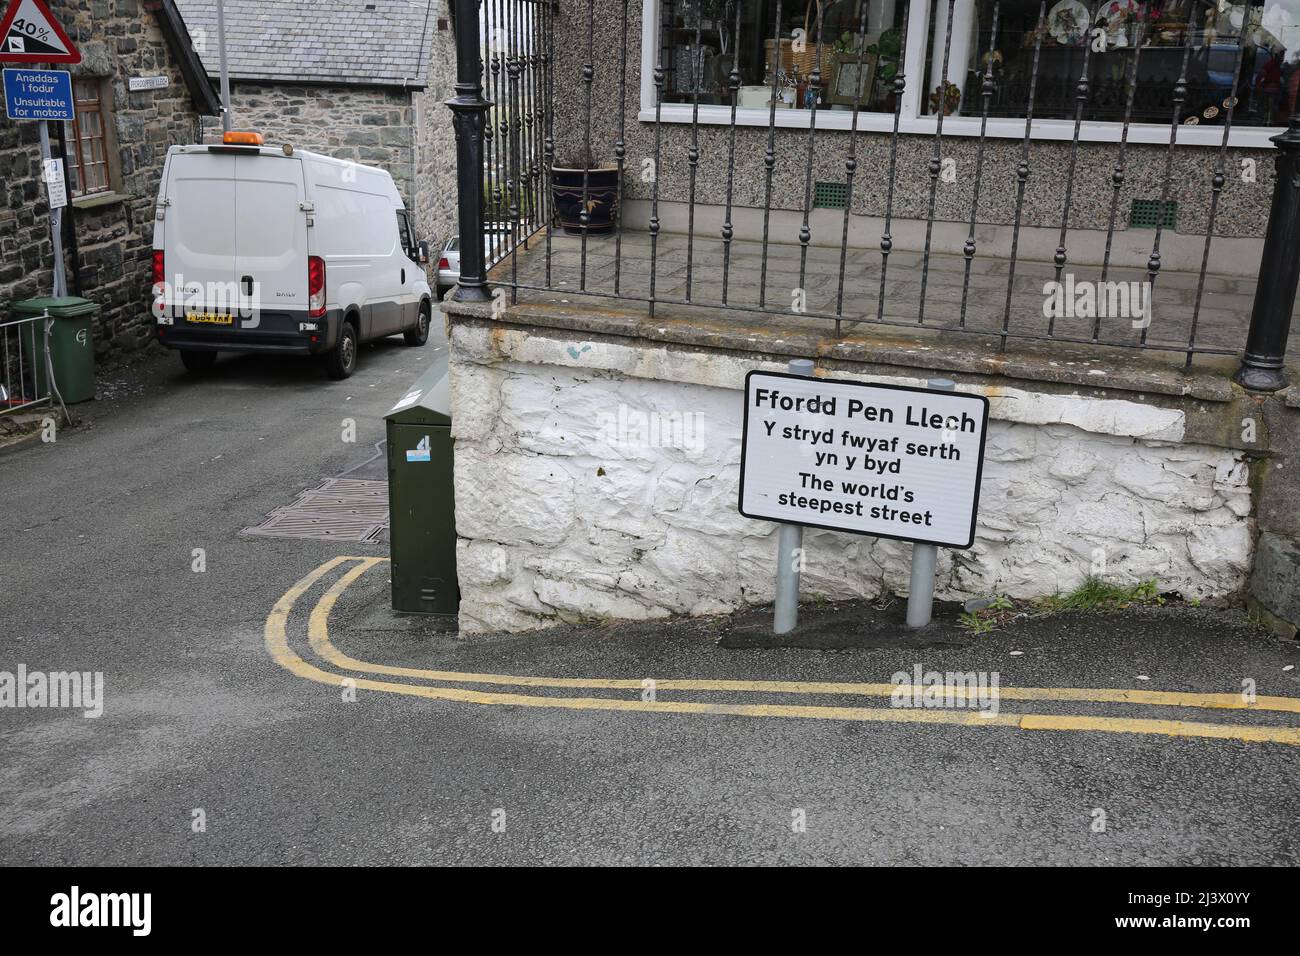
<point x="24" y="364"/>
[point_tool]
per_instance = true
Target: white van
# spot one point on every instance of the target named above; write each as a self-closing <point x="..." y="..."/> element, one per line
<point x="260" y="249"/>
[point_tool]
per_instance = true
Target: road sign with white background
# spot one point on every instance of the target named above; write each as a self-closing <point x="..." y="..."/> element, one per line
<point x="29" y="33"/>
<point x="38" y="95"/>
<point x="882" y="460"/>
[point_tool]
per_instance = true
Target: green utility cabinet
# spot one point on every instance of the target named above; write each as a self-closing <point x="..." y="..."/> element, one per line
<point x="421" y="506"/>
<point x="72" y="345"/>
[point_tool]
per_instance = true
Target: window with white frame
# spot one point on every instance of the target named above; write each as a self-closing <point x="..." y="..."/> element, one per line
<point x="701" y="41"/>
<point x="1253" y="48"/>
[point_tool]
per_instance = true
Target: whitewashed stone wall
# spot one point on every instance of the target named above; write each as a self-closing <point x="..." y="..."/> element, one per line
<point x="566" y="512"/>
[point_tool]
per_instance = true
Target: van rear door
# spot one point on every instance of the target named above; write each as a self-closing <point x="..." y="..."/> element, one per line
<point x="271" y="243"/>
<point x="199" y="229"/>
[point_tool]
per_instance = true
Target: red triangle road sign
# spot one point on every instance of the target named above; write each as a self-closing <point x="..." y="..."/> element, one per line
<point x="30" y="34"/>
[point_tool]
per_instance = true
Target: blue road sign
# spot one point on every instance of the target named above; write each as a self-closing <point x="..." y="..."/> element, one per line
<point x="38" y="94"/>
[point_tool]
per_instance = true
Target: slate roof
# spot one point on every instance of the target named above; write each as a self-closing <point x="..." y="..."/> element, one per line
<point x="320" y="41"/>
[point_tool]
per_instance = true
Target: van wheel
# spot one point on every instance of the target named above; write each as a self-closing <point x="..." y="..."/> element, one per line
<point x="341" y="361"/>
<point x="420" y="334"/>
<point x="197" y="361"/>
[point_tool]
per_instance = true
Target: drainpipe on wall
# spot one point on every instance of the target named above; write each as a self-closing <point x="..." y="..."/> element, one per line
<point x="69" y="218"/>
<point x="413" y="101"/>
<point x="226" y="119"/>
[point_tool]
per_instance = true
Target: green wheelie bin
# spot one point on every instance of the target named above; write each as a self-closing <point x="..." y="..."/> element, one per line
<point x="72" y="347"/>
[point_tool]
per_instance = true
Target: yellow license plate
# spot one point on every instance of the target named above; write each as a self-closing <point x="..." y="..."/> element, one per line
<point x="210" y="318"/>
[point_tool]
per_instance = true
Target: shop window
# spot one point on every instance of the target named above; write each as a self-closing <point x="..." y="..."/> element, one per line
<point x="703" y="39"/>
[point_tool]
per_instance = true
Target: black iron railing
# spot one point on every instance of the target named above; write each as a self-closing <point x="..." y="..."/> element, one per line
<point x="508" y="85"/>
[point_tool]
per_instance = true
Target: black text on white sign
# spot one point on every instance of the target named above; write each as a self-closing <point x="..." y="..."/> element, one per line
<point x="883" y="460"/>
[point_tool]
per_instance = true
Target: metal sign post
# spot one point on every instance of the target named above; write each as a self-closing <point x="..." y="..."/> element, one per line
<point x="890" y="461"/>
<point x="920" y="592"/>
<point x="56" y="214"/>
<point x="789" y="548"/>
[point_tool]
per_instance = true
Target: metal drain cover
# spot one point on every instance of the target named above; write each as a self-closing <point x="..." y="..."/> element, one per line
<point x="341" y="509"/>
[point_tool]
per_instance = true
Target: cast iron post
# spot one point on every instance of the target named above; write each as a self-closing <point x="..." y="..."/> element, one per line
<point x="1263" y="364"/>
<point x="469" y="114"/>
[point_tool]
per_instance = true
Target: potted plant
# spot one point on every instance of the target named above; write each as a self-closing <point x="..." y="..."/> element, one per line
<point x="888" y="48"/>
<point x="601" y="194"/>
<point x="951" y="96"/>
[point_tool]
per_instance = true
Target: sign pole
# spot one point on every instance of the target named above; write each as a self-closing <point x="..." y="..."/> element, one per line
<point x="920" y="594"/>
<point x="789" y="547"/>
<point x="56" y="220"/>
<point x="225" y="73"/>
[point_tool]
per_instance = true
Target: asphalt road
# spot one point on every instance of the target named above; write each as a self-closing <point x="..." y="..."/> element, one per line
<point x="98" y="531"/>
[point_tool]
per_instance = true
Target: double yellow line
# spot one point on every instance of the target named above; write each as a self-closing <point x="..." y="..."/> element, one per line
<point x="277" y="643"/>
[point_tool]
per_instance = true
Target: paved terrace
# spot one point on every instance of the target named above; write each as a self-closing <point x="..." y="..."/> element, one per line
<point x="939" y="342"/>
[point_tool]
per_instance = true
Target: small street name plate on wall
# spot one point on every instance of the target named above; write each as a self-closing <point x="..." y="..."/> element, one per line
<point x="147" y="83"/>
<point x="882" y="460"/>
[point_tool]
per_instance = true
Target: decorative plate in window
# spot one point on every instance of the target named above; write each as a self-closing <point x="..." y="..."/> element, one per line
<point x="1068" y="22"/>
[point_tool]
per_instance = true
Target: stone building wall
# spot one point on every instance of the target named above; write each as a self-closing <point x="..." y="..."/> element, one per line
<point x="597" y="478"/>
<point x="370" y="125"/>
<point x="407" y="132"/>
<point x="115" y="231"/>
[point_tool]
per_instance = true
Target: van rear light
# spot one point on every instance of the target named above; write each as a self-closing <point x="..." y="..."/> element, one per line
<point x="443" y="263"/>
<point x="159" y="270"/>
<point x="315" y="286"/>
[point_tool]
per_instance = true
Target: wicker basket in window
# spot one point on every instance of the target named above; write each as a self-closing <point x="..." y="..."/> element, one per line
<point x="802" y="61"/>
